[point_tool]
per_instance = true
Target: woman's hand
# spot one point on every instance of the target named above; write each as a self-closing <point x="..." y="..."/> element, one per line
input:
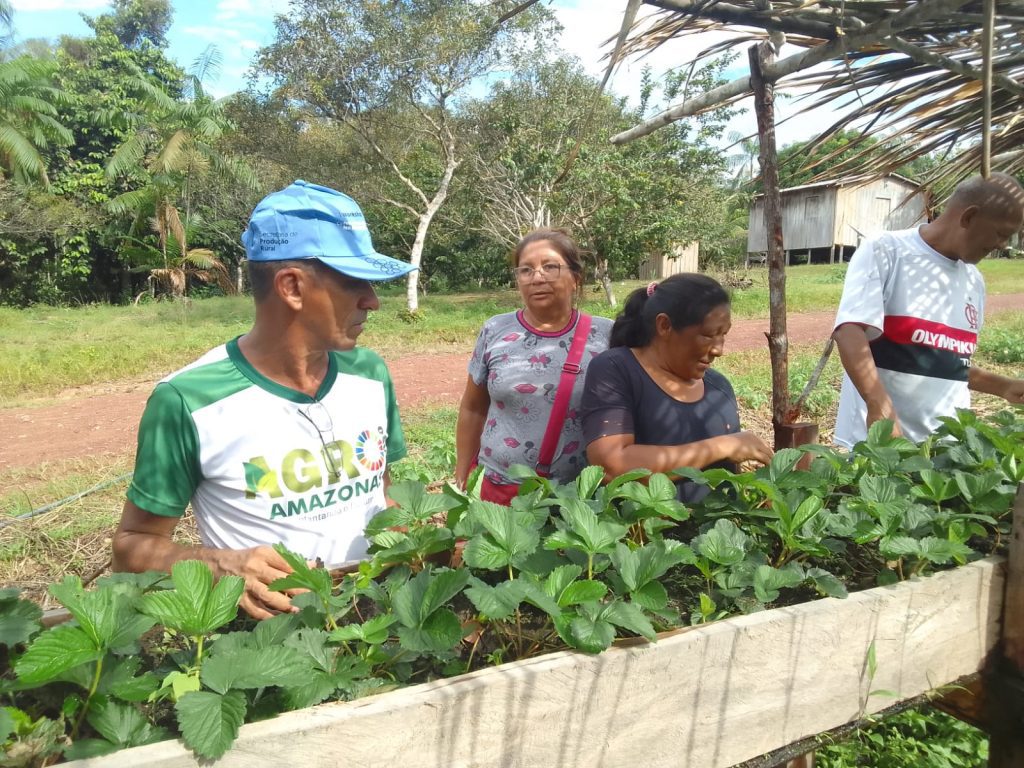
<point x="746" y="446"/>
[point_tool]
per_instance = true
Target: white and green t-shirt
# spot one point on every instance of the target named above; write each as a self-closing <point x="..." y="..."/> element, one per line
<point x="262" y="463"/>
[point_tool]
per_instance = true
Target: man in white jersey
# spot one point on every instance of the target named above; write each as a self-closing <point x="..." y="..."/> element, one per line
<point x="912" y="307"/>
<point x="285" y="433"/>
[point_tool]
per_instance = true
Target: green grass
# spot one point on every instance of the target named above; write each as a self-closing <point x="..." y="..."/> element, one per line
<point x="47" y="350"/>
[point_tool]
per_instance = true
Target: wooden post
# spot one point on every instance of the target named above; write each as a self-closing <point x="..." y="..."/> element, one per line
<point x="1006" y="749"/>
<point x="987" y="42"/>
<point x="760" y="56"/>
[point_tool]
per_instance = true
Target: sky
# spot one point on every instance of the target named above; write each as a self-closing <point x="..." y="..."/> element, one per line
<point x="240" y="27"/>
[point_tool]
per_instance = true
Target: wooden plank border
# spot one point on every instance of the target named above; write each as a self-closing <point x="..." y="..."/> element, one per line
<point x="710" y="696"/>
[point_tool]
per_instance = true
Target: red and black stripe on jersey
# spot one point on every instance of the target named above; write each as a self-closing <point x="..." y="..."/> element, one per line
<point x="924" y="348"/>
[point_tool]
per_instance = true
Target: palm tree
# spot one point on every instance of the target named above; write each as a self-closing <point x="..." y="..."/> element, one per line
<point x="180" y="262"/>
<point x="174" y="144"/>
<point x="6" y="21"/>
<point x="28" y="118"/>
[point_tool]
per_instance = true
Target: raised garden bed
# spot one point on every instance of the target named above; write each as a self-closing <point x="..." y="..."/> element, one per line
<point x="569" y="566"/>
<point x="707" y="696"/>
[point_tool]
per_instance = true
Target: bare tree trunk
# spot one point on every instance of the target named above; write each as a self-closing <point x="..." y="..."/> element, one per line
<point x="778" y="342"/>
<point x="412" y="298"/>
<point x="605" y="280"/>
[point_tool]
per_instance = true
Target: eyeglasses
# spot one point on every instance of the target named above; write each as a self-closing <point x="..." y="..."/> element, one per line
<point x="547" y="271"/>
<point x="320" y="418"/>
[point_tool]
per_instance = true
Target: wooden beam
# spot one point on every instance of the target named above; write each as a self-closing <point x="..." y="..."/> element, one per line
<point x="987" y="40"/>
<point x="869" y="35"/>
<point x="1006" y="748"/>
<point x="760" y="56"/>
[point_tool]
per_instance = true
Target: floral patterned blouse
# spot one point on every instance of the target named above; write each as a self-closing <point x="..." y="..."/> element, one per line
<point x="521" y="367"/>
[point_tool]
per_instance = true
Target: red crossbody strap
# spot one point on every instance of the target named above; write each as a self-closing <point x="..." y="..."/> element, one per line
<point x="570" y="371"/>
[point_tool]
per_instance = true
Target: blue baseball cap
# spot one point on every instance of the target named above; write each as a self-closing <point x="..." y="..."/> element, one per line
<point x="307" y="221"/>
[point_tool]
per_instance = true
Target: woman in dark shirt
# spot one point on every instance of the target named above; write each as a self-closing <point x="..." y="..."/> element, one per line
<point x="652" y="400"/>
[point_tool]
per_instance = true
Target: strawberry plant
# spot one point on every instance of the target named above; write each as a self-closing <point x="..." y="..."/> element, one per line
<point x="145" y="657"/>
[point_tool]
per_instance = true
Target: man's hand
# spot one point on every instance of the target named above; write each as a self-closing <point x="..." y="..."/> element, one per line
<point x="884" y="410"/>
<point x="259" y="567"/>
<point x="1014" y="391"/>
<point x="143" y="541"/>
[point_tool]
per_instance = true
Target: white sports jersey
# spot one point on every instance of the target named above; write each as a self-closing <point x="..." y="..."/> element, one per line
<point x="922" y="312"/>
<point x="262" y="463"/>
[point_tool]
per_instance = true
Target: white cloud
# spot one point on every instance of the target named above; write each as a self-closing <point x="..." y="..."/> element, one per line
<point x="24" y="6"/>
<point x="249" y="13"/>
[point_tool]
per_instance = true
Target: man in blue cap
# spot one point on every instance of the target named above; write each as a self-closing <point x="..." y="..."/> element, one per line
<point x="285" y="433"/>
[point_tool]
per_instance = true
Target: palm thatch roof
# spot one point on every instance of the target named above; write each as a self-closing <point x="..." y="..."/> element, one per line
<point x="890" y="67"/>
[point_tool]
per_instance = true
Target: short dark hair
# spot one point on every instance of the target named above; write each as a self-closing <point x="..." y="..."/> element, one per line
<point x="686" y="299"/>
<point x="261" y="274"/>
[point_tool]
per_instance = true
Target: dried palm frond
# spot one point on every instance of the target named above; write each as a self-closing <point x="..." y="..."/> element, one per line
<point x="918" y="78"/>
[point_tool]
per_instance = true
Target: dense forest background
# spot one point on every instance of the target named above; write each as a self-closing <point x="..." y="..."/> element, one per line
<point x="121" y="175"/>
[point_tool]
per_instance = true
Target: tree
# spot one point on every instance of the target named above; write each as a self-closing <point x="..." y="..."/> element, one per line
<point x="6" y="21"/>
<point x="623" y="204"/>
<point x="393" y="72"/>
<point x="136" y="23"/>
<point x="172" y="147"/>
<point x="29" y="122"/>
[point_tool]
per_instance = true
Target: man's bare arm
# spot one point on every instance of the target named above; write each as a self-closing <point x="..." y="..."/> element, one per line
<point x="142" y="542"/>
<point x="1011" y="390"/>
<point x="855" y="353"/>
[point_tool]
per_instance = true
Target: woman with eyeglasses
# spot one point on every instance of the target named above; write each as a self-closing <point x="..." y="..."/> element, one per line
<point x="525" y="364"/>
<point x="653" y="400"/>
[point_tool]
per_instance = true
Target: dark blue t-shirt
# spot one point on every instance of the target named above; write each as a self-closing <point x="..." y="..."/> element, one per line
<point x="620" y="398"/>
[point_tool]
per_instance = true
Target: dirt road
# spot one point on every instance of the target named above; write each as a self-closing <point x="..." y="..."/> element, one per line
<point x="103" y="420"/>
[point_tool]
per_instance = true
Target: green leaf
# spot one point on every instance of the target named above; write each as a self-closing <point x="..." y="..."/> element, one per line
<point x="725" y="544"/>
<point x="582" y="592"/>
<point x="195" y="606"/>
<point x="629" y="616"/>
<point x="441" y="632"/>
<point x="560" y="578"/>
<point x="782" y="463"/>
<point x="319" y="686"/>
<point x="106" y="615"/>
<point x="122" y="724"/>
<point x="826" y="583"/>
<point x="19" y="620"/>
<point x="412" y="497"/>
<point x="879" y="489"/>
<point x="83" y="749"/>
<point x="270" y="633"/>
<point x="590" y="635"/>
<point x="495" y="602"/>
<point x="313" y="644"/>
<point x="54" y="652"/>
<point x="652" y="596"/>
<point x="588" y="481"/>
<point x="509" y="537"/>
<point x="416" y="600"/>
<point x="941" y="551"/>
<point x="768" y="581"/>
<point x="375" y="631"/>
<point x="303" y="576"/>
<point x="586" y="532"/>
<point x="707" y="605"/>
<point x="256" y="668"/>
<point x="209" y="722"/>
